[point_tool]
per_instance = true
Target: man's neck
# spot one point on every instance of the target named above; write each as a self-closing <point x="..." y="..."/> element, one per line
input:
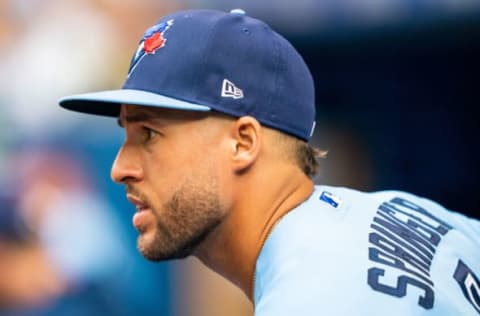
<point x="261" y="201"/>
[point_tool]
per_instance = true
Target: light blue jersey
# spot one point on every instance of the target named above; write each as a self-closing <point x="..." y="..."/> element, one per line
<point x="345" y="252"/>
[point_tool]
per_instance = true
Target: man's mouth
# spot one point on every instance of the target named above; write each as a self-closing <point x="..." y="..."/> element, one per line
<point x="141" y="218"/>
<point x="140" y="206"/>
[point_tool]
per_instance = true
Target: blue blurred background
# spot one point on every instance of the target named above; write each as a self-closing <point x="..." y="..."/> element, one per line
<point x="397" y="93"/>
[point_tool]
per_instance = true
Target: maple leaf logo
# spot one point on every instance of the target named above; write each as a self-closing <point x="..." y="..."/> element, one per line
<point x="152" y="40"/>
<point x="153" y="43"/>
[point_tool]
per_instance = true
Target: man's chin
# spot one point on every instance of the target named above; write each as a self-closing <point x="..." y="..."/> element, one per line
<point x="155" y="256"/>
<point x="153" y="251"/>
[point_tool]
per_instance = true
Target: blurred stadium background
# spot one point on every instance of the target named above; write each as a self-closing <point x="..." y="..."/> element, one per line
<point x="397" y="93"/>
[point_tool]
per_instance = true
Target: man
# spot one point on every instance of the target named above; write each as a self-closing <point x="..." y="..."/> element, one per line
<point x="218" y="109"/>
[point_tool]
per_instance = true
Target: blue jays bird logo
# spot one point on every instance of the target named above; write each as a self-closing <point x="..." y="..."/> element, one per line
<point x="151" y="41"/>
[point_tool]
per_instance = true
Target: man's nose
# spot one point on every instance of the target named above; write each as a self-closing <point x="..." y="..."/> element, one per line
<point x="126" y="166"/>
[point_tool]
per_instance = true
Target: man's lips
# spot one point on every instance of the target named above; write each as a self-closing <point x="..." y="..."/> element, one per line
<point x="140" y="218"/>
<point x="139" y="204"/>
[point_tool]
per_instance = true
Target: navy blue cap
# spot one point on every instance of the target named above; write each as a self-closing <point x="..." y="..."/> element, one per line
<point x="202" y="60"/>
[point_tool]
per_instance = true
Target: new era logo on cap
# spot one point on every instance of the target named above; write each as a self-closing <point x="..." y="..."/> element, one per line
<point x="230" y="90"/>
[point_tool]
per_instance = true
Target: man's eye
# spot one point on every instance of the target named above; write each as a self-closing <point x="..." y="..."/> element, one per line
<point x="150" y="133"/>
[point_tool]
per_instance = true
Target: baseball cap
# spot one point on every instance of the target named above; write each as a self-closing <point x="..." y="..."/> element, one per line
<point x="203" y="60"/>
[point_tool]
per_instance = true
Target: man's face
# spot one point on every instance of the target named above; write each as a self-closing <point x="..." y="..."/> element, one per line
<point x="169" y="164"/>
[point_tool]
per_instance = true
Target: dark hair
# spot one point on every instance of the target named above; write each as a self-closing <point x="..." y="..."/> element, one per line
<point x="300" y="152"/>
<point x="307" y="157"/>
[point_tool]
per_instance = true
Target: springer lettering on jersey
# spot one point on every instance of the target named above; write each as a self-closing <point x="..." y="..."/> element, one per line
<point x="403" y="241"/>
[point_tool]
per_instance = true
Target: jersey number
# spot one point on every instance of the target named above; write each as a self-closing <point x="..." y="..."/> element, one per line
<point x="468" y="283"/>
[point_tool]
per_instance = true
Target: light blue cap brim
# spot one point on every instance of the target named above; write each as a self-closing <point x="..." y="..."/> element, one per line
<point x="108" y="102"/>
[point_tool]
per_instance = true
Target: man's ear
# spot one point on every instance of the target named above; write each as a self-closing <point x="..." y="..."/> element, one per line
<point x="247" y="138"/>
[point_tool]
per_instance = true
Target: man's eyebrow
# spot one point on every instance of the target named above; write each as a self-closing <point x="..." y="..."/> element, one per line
<point x="136" y="117"/>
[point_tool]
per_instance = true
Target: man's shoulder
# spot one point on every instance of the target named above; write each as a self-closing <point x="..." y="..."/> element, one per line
<point x="337" y="196"/>
<point x="329" y="207"/>
<point x="335" y="201"/>
<point x="320" y="236"/>
<point x="342" y="248"/>
<point x="360" y="195"/>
